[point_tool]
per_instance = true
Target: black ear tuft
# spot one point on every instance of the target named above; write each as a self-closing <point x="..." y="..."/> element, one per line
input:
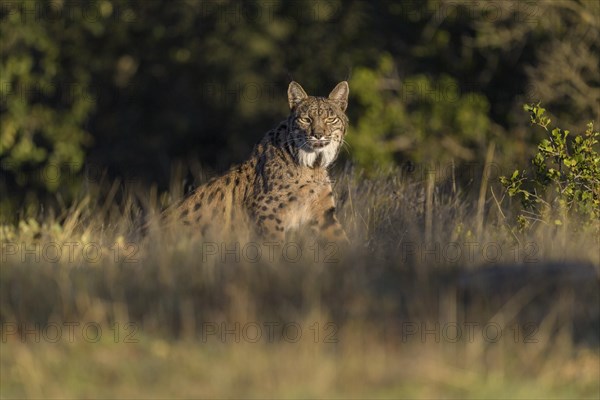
<point x="339" y="94"/>
<point x="295" y="94"/>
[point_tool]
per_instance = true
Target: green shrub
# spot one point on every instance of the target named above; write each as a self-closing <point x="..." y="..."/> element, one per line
<point x="564" y="179"/>
<point x="415" y="118"/>
<point x="46" y="99"/>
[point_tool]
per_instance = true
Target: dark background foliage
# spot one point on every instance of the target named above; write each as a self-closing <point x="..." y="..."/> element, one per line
<point x="131" y="88"/>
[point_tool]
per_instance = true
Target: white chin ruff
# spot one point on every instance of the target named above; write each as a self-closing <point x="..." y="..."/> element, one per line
<point x="322" y="157"/>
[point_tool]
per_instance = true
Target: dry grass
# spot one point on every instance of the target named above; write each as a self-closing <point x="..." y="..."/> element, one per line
<point x="378" y="319"/>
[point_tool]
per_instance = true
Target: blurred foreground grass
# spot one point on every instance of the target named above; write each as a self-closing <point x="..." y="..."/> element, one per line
<point x="438" y="296"/>
<point x="368" y="368"/>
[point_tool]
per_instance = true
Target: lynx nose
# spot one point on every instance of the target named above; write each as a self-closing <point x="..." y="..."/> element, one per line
<point x="318" y="134"/>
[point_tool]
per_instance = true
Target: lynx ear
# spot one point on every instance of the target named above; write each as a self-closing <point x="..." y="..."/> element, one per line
<point x="339" y="94"/>
<point x="295" y="94"/>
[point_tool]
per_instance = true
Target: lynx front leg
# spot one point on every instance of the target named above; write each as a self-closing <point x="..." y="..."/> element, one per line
<point x="324" y="223"/>
<point x="270" y="227"/>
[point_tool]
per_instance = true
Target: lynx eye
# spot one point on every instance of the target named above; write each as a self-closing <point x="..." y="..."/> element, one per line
<point x="332" y="120"/>
<point x="304" y="120"/>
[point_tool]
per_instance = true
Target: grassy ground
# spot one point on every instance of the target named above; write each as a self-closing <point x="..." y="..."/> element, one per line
<point x="438" y="296"/>
<point x="373" y="369"/>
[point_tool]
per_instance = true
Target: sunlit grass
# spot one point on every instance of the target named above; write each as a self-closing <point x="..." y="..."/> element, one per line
<point x="154" y="367"/>
<point x="462" y="306"/>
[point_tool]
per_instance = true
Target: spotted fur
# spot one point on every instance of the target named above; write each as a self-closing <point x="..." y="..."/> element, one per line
<point x="284" y="185"/>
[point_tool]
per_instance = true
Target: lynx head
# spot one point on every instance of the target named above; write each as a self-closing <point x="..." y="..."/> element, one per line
<point x="317" y="125"/>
